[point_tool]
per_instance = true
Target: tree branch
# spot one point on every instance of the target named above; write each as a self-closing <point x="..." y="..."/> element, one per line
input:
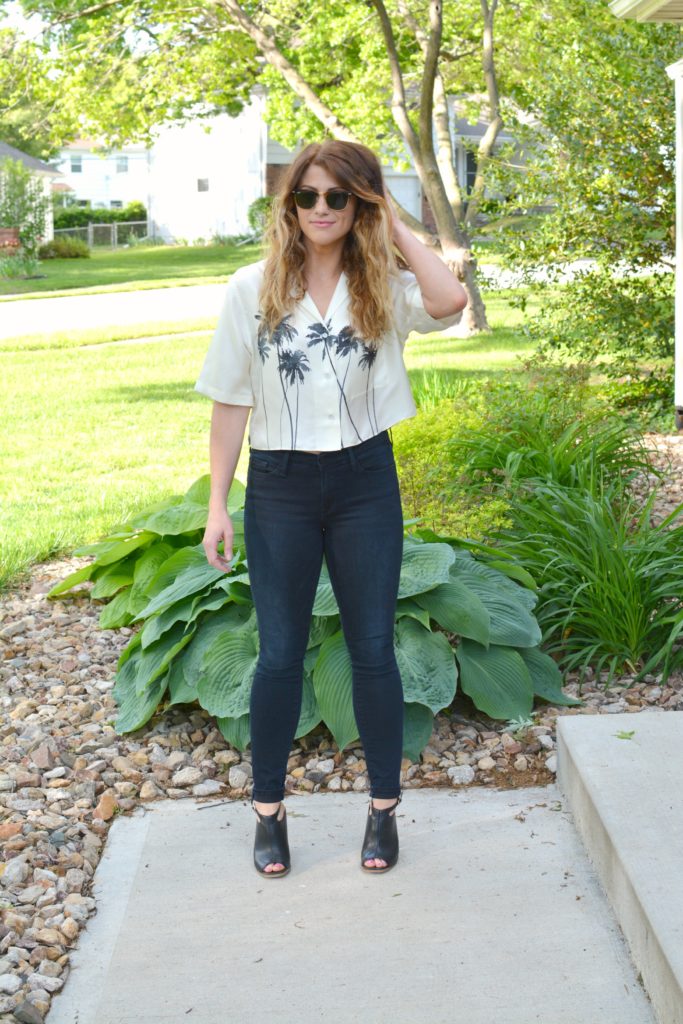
<point x="431" y="63"/>
<point x="297" y="84"/>
<point x="442" y="123"/>
<point x="398" y="100"/>
<point x="496" y="123"/>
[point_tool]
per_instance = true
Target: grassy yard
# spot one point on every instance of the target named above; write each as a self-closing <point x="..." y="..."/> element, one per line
<point x="155" y="266"/>
<point x="93" y="434"/>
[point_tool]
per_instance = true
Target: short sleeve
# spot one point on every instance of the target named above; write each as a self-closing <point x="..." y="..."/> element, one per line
<point x="410" y="311"/>
<point x="226" y="373"/>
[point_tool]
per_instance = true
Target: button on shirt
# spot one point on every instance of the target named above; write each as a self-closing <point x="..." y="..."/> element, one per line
<point x="313" y="384"/>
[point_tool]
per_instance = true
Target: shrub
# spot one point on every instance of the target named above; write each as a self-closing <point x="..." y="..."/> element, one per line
<point x="258" y="214"/>
<point x="199" y="640"/>
<point x="610" y="583"/>
<point x="427" y="479"/>
<point x="16" y="267"/>
<point x="80" y="216"/>
<point x="64" y="248"/>
<point x="23" y="205"/>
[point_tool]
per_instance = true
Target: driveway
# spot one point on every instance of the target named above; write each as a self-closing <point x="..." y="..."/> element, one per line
<point x="112" y="309"/>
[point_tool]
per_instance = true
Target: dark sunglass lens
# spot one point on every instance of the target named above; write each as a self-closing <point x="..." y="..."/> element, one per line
<point x="337" y="200"/>
<point x="305" y="198"/>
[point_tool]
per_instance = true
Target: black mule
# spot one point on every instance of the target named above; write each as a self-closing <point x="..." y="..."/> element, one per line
<point x="381" y="837"/>
<point x="271" y="845"/>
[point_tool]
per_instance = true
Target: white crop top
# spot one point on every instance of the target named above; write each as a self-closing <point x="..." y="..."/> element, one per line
<point x="312" y="384"/>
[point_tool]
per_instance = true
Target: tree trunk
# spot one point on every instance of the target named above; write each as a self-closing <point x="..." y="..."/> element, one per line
<point x="461" y="261"/>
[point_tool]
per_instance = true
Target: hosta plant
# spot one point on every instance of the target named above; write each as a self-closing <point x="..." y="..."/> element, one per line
<point x="458" y="620"/>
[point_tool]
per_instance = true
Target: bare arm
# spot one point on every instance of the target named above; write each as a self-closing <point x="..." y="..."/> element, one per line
<point x="228" y="423"/>
<point x="442" y="293"/>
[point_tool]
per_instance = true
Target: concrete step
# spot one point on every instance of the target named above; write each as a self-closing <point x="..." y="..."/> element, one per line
<point x="626" y="798"/>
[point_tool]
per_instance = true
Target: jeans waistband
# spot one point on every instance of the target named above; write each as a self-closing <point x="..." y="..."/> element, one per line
<point x="287" y="456"/>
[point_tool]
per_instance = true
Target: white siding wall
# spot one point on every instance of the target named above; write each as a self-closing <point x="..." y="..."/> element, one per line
<point x="100" y="182"/>
<point x="230" y="158"/>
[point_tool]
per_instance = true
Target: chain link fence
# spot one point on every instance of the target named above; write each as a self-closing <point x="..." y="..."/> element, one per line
<point x="111" y="235"/>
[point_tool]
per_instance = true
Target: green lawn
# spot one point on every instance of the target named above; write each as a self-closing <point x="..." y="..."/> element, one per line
<point x="91" y="435"/>
<point x="155" y="266"/>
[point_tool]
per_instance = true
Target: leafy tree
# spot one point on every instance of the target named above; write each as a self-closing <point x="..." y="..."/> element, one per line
<point x="23" y="204"/>
<point x="600" y="131"/>
<point x="35" y="113"/>
<point x="368" y="72"/>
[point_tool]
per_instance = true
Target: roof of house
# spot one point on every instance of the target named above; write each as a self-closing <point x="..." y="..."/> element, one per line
<point x="28" y="161"/>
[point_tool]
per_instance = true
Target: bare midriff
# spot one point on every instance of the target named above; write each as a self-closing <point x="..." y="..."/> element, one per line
<point x="310" y="453"/>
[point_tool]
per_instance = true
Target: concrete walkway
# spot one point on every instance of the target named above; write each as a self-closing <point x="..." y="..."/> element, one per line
<point x="493" y="913"/>
<point x="113" y="309"/>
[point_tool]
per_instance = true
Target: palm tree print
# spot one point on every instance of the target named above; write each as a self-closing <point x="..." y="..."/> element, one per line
<point x="292" y="365"/>
<point x="319" y="333"/>
<point x="283" y="332"/>
<point x="367" y="360"/>
<point x="345" y="343"/>
<point x="262" y="338"/>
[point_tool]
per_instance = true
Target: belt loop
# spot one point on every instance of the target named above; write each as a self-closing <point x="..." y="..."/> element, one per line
<point x="285" y="461"/>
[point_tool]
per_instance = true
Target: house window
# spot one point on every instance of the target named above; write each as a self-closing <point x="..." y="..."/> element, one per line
<point x="116" y="204"/>
<point x="471" y="166"/>
<point x="76" y="164"/>
<point x="122" y="165"/>
<point x="82" y="202"/>
<point x="202" y="184"/>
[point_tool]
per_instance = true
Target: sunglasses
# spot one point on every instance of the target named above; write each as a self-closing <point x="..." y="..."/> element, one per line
<point x="306" y="198"/>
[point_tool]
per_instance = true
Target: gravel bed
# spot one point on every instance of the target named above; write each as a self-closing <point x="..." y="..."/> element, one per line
<point x="65" y="774"/>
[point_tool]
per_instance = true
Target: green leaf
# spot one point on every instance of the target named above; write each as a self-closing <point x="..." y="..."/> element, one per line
<point x="227" y="670"/>
<point x="112" y="578"/>
<point x="235" y="731"/>
<point x="418" y="725"/>
<point x="511" y="622"/>
<point x="116" y="613"/>
<point x="187" y="610"/>
<point x="185" y="572"/>
<point x="146" y="568"/>
<point x="72" y="579"/>
<point x="136" y="709"/>
<point x="182" y="518"/>
<point x="310" y="714"/>
<point x="458" y="609"/>
<point x="546" y="677"/>
<point x="129" y="650"/>
<point x="179" y="690"/>
<point x="322" y="626"/>
<point x="423" y="567"/>
<point x="114" y="551"/>
<point x="496" y="679"/>
<point x="325" y="602"/>
<point x="332" y="682"/>
<point x="156" y="658"/>
<point x="408" y="606"/>
<point x="426" y="663"/>
<point x="230" y="618"/>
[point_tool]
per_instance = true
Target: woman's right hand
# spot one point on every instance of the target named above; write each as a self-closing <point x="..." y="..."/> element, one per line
<point x="218" y="528"/>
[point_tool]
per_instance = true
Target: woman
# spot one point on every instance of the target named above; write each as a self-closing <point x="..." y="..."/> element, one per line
<point x="311" y="341"/>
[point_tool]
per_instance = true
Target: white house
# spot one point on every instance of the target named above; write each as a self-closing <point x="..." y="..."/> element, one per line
<point x="198" y="179"/>
<point x="104" y="179"/>
<point x="42" y="172"/>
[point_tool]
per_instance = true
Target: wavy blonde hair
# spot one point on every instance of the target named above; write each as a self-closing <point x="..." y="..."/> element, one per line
<point x="368" y="257"/>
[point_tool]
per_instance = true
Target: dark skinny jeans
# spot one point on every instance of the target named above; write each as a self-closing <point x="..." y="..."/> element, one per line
<point x="345" y="505"/>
